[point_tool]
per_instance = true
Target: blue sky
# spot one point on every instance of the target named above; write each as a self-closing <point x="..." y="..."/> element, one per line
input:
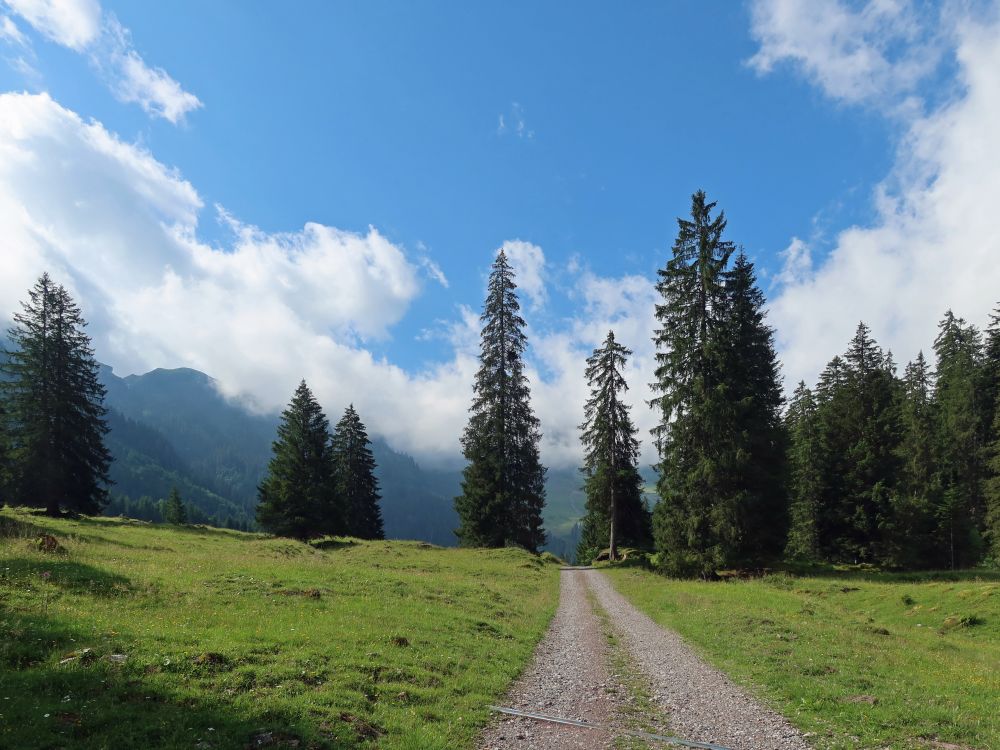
<point x="451" y="128"/>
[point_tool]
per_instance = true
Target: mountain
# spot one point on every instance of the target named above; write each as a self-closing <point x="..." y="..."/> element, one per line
<point x="172" y="427"/>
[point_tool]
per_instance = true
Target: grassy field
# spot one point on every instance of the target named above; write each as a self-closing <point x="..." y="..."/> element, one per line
<point x="149" y="636"/>
<point x="856" y="660"/>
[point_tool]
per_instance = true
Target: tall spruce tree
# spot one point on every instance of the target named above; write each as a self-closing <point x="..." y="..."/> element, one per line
<point x="695" y="524"/>
<point x="616" y="514"/>
<point x="758" y="440"/>
<point x="919" y="492"/>
<point x="55" y="406"/>
<point x="871" y="460"/>
<point x="961" y="446"/>
<point x="297" y="497"/>
<point x="805" y="486"/>
<point x="991" y="388"/>
<point x="174" y="510"/>
<point x="354" y="470"/>
<point x="503" y="485"/>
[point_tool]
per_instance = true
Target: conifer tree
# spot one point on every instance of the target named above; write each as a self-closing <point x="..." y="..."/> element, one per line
<point x="918" y="492"/>
<point x="503" y="485"/>
<point x="805" y="475"/>
<point x="174" y="510"/>
<point x="991" y="415"/>
<point x="297" y="497"/>
<point x="616" y="514"/>
<point x="695" y="526"/>
<point x="354" y="469"/>
<point x="758" y="439"/>
<point x="960" y="442"/>
<point x="55" y="406"/>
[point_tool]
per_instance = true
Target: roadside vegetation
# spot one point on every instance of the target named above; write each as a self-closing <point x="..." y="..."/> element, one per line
<point x="125" y="634"/>
<point x="855" y="659"/>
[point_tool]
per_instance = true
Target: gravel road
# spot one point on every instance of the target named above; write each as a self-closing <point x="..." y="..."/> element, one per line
<point x="700" y="702"/>
<point x="570" y="677"/>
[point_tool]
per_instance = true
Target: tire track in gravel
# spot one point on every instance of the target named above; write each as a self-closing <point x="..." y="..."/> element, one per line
<point x="568" y="677"/>
<point x="699" y="701"/>
<point x="577" y="674"/>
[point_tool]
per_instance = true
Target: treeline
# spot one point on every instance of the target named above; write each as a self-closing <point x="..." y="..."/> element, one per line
<point x="867" y="467"/>
<point x="900" y="470"/>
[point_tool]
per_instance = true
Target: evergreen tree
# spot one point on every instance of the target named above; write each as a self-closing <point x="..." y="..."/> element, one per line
<point x="806" y="478"/>
<point x="354" y="469"/>
<point x="503" y="485"/>
<point x="758" y="438"/>
<point x="297" y="497"/>
<point x="616" y="513"/>
<point x="859" y="434"/>
<point x="174" y="511"/>
<point x="918" y="491"/>
<point x="991" y="415"/>
<point x="54" y="405"/>
<point x="961" y="444"/>
<point x="695" y="524"/>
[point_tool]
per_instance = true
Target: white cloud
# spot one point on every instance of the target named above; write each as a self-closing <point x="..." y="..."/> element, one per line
<point x="71" y="23"/>
<point x="262" y="312"/>
<point x="82" y="26"/>
<point x="10" y="33"/>
<point x="877" y="54"/>
<point x="132" y="81"/>
<point x="528" y="262"/>
<point x="434" y="271"/>
<point x="514" y="122"/>
<point x="935" y="242"/>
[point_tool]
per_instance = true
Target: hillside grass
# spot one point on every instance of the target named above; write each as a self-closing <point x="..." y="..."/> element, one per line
<point x="857" y="660"/>
<point x="151" y="636"/>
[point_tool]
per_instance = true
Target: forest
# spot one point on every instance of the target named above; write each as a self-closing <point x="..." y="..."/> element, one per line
<point x="869" y="465"/>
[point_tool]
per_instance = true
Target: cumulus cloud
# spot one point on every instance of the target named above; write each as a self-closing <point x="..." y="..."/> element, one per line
<point x="120" y="229"/>
<point x="263" y="310"/>
<point x="935" y="240"/>
<point x="528" y="262"/>
<point x="877" y="54"/>
<point x="82" y="26"/>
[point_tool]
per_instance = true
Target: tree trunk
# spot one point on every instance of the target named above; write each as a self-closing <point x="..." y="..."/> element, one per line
<point x="613" y="543"/>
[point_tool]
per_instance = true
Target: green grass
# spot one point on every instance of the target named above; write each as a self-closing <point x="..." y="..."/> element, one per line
<point x="227" y="636"/>
<point x="856" y="660"/>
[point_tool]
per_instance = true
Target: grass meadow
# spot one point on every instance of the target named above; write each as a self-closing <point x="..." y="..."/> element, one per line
<point x="150" y="636"/>
<point x="855" y="659"/>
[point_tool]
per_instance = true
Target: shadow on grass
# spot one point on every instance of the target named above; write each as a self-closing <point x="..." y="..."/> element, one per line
<point x="97" y="702"/>
<point x="66" y="575"/>
<point x="875" y="575"/>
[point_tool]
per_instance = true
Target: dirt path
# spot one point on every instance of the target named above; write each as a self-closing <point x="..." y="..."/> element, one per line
<point x="573" y="675"/>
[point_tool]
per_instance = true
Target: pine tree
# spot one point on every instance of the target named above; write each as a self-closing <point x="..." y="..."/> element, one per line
<point x="174" y="510"/>
<point x="695" y="526"/>
<point x="758" y="446"/>
<point x="503" y="485"/>
<point x="354" y="469"/>
<point x="960" y="441"/>
<point x="806" y="478"/>
<point x="297" y="497"/>
<point x="54" y="404"/>
<point x="615" y="513"/>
